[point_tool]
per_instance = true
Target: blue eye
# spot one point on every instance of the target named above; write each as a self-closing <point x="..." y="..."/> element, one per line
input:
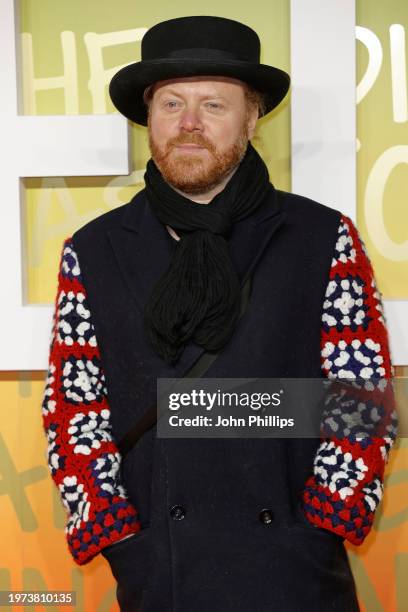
<point x="171" y="104"/>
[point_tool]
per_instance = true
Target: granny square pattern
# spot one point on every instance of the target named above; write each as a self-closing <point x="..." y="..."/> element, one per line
<point x="82" y="456"/>
<point x="346" y="486"/>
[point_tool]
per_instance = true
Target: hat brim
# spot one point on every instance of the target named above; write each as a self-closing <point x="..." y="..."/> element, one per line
<point x="128" y="84"/>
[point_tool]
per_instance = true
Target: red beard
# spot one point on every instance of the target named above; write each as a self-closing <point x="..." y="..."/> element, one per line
<point x="196" y="173"/>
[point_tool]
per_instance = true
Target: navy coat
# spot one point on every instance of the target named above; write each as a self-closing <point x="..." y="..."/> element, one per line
<point x="221" y="526"/>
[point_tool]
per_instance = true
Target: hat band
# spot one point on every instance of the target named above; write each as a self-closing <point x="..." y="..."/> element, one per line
<point x="202" y="53"/>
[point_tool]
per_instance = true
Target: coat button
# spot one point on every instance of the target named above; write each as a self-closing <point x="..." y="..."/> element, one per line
<point x="177" y="512"/>
<point x="266" y="516"/>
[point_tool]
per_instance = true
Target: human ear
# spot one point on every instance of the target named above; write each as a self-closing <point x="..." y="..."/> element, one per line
<point x="252" y="118"/>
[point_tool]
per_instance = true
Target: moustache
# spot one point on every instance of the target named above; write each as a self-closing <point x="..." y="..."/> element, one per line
<point x="195" y="139"/>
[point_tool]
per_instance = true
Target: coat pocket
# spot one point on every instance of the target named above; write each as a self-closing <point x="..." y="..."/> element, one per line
<point x="130" y="561"/>
<point x="302" y="522"/>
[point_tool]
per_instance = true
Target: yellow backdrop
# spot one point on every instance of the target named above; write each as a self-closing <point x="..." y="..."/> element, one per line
<point x="69" y="49"/>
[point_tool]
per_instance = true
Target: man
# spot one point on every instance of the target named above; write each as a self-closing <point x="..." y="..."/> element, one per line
<point x="146" y="289"/>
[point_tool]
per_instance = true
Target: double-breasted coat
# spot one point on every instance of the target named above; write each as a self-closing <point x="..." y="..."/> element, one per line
<point x="215" y="524"/>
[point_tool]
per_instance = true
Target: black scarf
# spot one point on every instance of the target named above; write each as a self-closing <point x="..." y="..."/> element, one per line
<point x="198" y="297"/>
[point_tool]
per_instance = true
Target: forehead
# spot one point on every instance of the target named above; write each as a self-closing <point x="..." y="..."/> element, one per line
<point x="204" y="85"/>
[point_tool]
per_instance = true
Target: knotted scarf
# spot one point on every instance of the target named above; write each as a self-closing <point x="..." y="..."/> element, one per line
<point x="198" y="297"/>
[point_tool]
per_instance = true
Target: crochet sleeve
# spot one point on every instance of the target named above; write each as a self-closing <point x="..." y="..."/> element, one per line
<point x="346" y="485"/>
<point x="82" y="456"/>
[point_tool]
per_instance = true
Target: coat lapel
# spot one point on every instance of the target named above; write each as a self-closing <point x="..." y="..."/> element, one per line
<point x="143" y="249"/>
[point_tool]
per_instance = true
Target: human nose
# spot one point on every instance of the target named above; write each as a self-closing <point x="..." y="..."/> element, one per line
<point x="190" y="120"/>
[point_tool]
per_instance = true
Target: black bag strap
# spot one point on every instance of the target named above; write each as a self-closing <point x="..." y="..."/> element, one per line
<point x="197" y="370"/>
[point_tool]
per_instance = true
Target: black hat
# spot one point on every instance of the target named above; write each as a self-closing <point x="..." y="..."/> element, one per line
<point x="193" y="46"/>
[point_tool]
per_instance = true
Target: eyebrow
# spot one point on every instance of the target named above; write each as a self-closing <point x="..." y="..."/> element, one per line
<point x="172" y="92"/>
